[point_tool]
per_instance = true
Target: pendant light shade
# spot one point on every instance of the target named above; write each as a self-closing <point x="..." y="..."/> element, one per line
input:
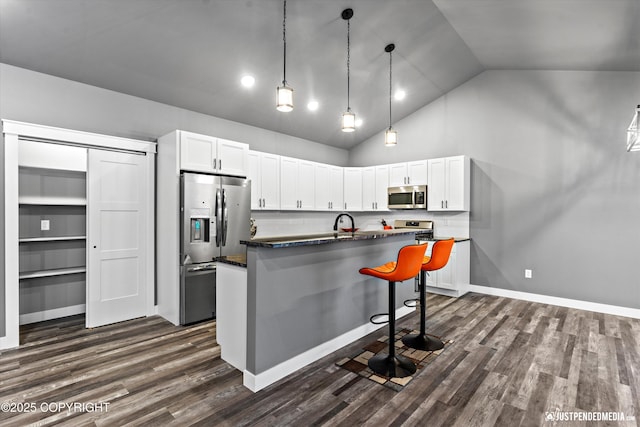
<point x="633" y="132"/>
<point x="284" y="93"/>
<point x="390" y="135"/>
<point x="348" y="117"/>
<point x="284" y="96"/>
<point x="348" y="121"/>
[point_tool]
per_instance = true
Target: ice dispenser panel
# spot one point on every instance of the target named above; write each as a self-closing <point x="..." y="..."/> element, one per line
<point x="199" y="230"/>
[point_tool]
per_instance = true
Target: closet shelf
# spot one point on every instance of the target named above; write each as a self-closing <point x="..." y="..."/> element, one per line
<point x="52" y="272"/>
<point x="51" y="239"/>
<point x="52" y="201"/>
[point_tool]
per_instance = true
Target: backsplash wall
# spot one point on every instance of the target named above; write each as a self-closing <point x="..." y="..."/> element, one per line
<point x="285" y="223"/>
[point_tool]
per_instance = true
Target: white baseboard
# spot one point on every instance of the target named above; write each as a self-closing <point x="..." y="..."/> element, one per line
<point x="562" y="302"/>
<point x="8" y="342"/>
<point x="56" y="313"/>
<point x="258" y="382"/>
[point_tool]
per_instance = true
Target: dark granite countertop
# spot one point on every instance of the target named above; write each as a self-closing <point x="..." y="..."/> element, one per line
<point x="239" y="260"/>
<point x="457" y="239"/>
<point x="323" y="238"/>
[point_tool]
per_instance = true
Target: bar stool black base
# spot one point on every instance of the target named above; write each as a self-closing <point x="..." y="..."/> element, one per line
<point x="395" y="367"/>
<point x="422" y="342"/>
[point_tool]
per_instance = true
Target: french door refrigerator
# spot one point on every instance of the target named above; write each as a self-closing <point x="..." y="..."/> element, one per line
<point x="214" y="214"/>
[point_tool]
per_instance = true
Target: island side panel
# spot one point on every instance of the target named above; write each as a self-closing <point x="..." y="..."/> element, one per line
<point x="301" y="297"/>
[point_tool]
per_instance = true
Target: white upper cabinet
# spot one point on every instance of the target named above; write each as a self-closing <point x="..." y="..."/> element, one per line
<point x="353" y="189"/>
<point x="449" y="184"/>
<point x="410" y="173"/>
<point x="202" y="153"/>
<point x="264" y="173"/>
<point x="375" y="180"/>
<point x="297" y="184"/>
<point x="329" y="191"/>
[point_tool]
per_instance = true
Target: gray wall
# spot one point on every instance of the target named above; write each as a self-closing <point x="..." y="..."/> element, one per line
<point x="2" y="293"/>
<point x="553" y="188"/>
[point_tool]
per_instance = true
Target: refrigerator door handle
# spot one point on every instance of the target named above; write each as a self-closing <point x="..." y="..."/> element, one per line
<point x="225" y="217"/>
<point x="218" y="217"/>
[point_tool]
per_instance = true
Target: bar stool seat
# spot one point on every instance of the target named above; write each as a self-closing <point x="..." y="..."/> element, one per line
<point x="407" y="266"/>
<point x="439" y="258"/>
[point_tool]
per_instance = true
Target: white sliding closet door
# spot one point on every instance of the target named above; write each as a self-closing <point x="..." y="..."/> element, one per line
<point x="116" y="211"/>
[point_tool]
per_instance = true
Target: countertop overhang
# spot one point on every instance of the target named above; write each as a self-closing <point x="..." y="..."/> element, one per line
<point x="323" y="238"/>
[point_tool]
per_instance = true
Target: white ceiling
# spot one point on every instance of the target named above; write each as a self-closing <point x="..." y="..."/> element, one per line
<point x="192" y="53"/>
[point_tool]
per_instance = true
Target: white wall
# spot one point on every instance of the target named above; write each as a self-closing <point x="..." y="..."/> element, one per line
<point x="553" y="188"/>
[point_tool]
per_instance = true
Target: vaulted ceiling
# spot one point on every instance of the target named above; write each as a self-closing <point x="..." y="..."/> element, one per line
<point x="192" y="53"/>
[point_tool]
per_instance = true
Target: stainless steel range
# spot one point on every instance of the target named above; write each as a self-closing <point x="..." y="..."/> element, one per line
<point x="424" y="228"/>
<point x="424" y="233"/>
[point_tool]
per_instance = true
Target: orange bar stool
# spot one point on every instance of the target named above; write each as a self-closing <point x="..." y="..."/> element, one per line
<point x="407" y="266"/>
<point x="439" y="258"/>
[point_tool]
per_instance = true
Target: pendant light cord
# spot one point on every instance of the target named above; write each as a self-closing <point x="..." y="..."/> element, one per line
<point x="348" y="61"/>
<point x="284" y="39"/>
<point x="390" y="68"/>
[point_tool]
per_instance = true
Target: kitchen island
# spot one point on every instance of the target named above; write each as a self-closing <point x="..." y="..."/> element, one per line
<point x="306" y="299"/>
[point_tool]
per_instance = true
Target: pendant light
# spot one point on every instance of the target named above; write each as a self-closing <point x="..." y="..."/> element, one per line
<point x="390" y="135"/>
<point x="633" y="132"/>
<point x="348" y="118"/>
<point x="284" y="93"/>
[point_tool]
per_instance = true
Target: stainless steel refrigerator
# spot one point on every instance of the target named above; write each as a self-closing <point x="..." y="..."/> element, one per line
<point x="214" y="213"/>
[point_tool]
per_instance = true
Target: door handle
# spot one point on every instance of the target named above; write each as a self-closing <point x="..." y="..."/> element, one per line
<point x="220" y="164"/>
<point x="225" y="217"/>
<point x="442" y="204"/>
<point x="218" y="217"/>
<point x="215" y="161"/>
<point x="446" y="203"/>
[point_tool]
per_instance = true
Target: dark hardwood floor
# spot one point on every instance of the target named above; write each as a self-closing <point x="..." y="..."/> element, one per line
<point x="512" y="362"/>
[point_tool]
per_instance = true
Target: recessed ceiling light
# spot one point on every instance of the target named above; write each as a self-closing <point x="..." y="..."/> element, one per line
<point x="247" y="81"/>
<point x="358" y="123"/>
<point x="400" y="94"/>
<point x="313" y="105"/>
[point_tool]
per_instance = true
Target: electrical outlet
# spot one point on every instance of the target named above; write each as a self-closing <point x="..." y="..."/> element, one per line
<point x="45" y="225"/>
<point x="528" y="274"/>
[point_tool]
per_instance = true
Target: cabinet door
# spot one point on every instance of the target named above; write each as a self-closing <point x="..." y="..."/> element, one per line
<point x="232" y="158"/>
<point x="306" y="185"/>
<point x="197" y="152"/>
<point x="455" y="184"/>
<point x="270" y="181"/>
<point x="382" y="184"/>
<point x="353" y="189"/>
<point x="397" y="174"/>
<point x="254" y="176"/>
<point x="417" y="172"/>
<point x="322" y="174"/>
<point x="436" y="182"/>
<point x="336" y="183"/>
<point x="369" y="189"/>
<point x="116" y="270"/>
<point x="446" y="276"/>
<point x="288" y="183"/>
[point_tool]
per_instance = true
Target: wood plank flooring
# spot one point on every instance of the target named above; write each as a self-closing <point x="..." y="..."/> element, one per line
<point x="511" y="363"/>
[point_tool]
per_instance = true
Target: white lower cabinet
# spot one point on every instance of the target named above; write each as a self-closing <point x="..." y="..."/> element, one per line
<point x="231" y="314"/>
<point x="453" y="278"/>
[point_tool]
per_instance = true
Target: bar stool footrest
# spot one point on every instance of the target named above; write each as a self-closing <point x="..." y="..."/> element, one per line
<point x="411" y="303"/>
<point x="379" y="322"/>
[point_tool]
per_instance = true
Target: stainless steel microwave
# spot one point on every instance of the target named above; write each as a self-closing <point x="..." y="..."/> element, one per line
<point x="407" y="197"/>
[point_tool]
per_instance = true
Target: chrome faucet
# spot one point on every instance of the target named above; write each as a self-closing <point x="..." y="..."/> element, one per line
<point x="335" y="224"/>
